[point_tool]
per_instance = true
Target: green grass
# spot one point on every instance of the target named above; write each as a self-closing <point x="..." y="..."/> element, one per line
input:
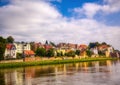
<point x="50" y="62"/>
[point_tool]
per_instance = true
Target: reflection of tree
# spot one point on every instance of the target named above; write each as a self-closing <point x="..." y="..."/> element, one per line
<point x="2" y="81"/>
<point x="43" y="71"/>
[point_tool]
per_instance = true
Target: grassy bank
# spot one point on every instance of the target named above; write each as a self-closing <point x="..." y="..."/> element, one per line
<point x="50" y="62"/>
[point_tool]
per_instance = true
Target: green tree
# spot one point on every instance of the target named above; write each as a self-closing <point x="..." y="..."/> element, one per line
<point x="77" y="52"/>
<point x="93" y="44"/>
<point x="2" y="47"/>
<point x="10" y="39"/>
<point x="40" y="52"/>
<point x="50" y="52"/>
<point x="89" y="53"/>
<point x="70" y="54"/>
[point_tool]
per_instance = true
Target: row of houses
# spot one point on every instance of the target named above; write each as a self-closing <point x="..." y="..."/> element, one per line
<point x="29" y="49"/>
<point x="12" y="49"/>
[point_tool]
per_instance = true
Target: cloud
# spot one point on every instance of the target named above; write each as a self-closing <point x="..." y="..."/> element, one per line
<point x="39" y="20"/>
<point x="91" y="9"/>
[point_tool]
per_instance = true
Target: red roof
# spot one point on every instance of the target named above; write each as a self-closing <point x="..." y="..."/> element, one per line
<point x="47" y="47"/>
<point x="83" y="46"/>
<point x="29" y="52"/>
<point x="9" y="46"/>
<point x="103" y="47"/>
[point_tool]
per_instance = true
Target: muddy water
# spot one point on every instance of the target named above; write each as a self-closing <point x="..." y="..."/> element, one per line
<point x="85" y="73"/>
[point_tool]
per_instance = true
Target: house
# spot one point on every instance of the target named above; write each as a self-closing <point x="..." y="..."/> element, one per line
<point x="94" y="50"/>
<point x="22" y="46"/>
<point x="83" y="49"/>
<point x="67" y="46"/>
<point x="29" y="53"/>
<point x="35" y="45"/>
<point x="10" y="51"/>
<point x="106" y="49"/>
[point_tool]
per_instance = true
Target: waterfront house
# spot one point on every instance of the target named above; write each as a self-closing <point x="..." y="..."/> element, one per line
<point x="10" y="51"/>
<point x="105" y="49"/>
<point x="29" y="53"/>
<point x="20" y="47"/>
<point x="83" y="49"/>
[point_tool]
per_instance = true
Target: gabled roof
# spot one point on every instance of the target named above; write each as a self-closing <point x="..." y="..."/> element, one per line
<point x="83" y="46"/>
<point x="29" y="52"/>
<point x="9" y="46"/>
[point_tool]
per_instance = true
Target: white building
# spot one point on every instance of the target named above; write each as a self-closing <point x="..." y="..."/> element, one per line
<point x="10" y="51"/>
<point x="94" y="50"/>
<point x="22" y="46"/>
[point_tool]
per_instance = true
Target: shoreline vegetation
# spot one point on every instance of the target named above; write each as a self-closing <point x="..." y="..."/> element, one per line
<point x="51" y="62"/>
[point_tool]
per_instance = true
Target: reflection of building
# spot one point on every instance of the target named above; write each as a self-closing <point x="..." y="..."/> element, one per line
<point x="13" y="78"/>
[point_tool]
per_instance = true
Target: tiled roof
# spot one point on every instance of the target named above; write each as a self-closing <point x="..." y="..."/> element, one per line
<point x="9" y="46"/>
<point x="29" y="52"/>
<point x="83" y="46"/>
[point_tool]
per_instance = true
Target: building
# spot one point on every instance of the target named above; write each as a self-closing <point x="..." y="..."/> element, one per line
<point x="10" y="51"/>
<point x="21" y="46"/>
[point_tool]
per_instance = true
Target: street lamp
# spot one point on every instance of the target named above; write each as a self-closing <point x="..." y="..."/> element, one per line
<point x="23" y="54"/>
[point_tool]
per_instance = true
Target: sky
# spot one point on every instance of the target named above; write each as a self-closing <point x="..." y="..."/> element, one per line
<point x="70" y="21"/>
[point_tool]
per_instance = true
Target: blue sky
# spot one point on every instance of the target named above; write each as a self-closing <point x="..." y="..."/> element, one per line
<point x="74" y="21"/>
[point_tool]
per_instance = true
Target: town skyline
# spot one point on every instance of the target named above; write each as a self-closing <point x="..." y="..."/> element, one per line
<point x="70" y="21"/>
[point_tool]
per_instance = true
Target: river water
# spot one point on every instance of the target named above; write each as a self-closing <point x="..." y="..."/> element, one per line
<point x="85" y="73"/>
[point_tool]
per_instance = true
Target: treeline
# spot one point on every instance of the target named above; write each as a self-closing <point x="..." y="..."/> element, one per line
<point x="53" y="53"/>
<point x="3" y="42"/>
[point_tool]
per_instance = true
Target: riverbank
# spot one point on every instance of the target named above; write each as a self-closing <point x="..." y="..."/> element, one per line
<point x="50" y="62"/>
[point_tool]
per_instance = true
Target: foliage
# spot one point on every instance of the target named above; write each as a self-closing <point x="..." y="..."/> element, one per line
<point x="2" y="47"/>
<point x="50" y="52"/>
<point x="50" y="62"/>
<point x="93" y="44"/>
<point x="19" y="55"/>
<point x="77" y="52"/>
<point x="89" y="53"/>
<point x="70" y="53"/>
<point x="60" y="54"/>
<point x="40" y="52"/>
<point x="10" y="39"/>
<point x="101" y="53"/>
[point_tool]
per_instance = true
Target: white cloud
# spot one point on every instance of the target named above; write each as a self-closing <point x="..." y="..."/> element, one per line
<point x="91" y="9"/>
<point x="33" y="20"/>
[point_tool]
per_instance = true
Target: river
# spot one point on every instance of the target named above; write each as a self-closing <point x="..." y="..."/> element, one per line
<point x="84" y="73"/>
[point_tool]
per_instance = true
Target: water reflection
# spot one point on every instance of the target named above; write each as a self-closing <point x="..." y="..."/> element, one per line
<point x="85" y="73"/>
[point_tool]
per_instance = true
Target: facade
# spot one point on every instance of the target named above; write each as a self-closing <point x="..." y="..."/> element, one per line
<point x="22" y="46"/>
<point x="10" y="51"/>
<point x="94" y="50"/>
<point x="67" y="46"/>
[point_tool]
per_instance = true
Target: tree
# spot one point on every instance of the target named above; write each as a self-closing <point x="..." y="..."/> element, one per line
<point x="104" y="43"/>
<point x="40" y="52"/>
<point x="10" y="39"/>
<point x="89" y="53"/>
<point x="77" y="52"/>
<point x="2" y="47"/>
<point x="93" y="44"/>
<point x="50" y="52"/>
<point x="70" y="54"/>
